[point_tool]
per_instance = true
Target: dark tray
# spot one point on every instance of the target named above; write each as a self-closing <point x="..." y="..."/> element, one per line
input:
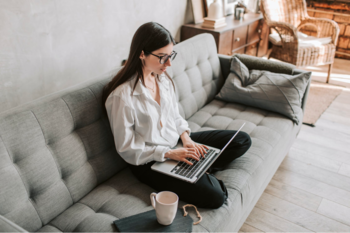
<point x="147" y="222"/>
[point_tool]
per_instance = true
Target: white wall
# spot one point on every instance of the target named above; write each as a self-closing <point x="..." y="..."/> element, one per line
<point x="49" y="45"/>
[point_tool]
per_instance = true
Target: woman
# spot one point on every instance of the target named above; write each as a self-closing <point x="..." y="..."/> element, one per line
<point x="143" y="112"/>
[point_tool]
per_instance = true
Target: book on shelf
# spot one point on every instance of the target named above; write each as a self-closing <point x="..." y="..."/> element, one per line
<point x="209" y="20"/>
<point x="214" y="23"/>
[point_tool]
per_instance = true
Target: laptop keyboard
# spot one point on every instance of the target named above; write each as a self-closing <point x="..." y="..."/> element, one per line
<point x="186" y="170"/>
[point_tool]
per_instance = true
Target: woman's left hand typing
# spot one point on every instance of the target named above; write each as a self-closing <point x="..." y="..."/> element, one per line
<point x="200" y="149"/>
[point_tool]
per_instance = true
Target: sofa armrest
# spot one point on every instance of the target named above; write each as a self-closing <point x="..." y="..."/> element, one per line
<point x="225" y="64"/>
<point x="8" y="226"/>
<point x="256" y="63"/>
<point x="306" y="93"/>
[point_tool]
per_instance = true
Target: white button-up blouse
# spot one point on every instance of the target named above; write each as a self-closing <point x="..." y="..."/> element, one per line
<point x="135" y="121"/>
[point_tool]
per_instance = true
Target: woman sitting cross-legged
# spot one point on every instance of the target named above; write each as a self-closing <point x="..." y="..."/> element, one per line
<point x="143" y="113"/>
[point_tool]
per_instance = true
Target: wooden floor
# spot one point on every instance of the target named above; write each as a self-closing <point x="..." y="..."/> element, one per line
<point x="311" y="189"/>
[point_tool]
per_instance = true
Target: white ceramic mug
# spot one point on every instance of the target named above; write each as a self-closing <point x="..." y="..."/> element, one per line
<point x="165" y="203"/>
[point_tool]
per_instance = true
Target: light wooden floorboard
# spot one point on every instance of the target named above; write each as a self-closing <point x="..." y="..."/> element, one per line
<point x="333" y="125"/>
<point x="345" y="169"/>
<point x="335" y="211"/>
<point x="338" y="111"/>
<point x="316" y="173"/>
<point x="311" y="188"/>
<point x="315" y="187"/>
<point x="324" y="140"/>
<point x="341" y="137"/>
<point x="247" y="228"/>
<point x="341" y="104"/>
<point x="314" y="159"/>
<point x="336" y="118"/>
<point x="293" y="195"/>
<point x="267" y="222"/>
<point x="296" y="214"/>
<point x="343" y="108"/>
<point x="320" y="150"/>
<point x="344" y="96"/>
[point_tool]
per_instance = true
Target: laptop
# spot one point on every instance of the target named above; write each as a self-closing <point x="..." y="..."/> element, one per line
<point x="191" y="173"/>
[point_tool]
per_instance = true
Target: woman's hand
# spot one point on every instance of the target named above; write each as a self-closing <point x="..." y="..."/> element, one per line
<point x="182" y="154"/>
<point x="200" y="149"/>
<point x="188" y="143"/>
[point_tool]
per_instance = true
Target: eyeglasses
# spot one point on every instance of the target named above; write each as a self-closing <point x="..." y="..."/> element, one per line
<point x="164" y="59"/>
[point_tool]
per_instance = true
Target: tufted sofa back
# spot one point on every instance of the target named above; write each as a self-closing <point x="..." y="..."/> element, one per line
<point x="196" y="73"/>
<point x="55" y="150"/>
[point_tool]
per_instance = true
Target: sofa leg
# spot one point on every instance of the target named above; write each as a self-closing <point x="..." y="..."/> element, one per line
<point x="329" y="72"/>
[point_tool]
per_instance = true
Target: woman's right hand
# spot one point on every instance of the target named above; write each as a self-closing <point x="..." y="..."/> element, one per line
<point x="182" y="154"/>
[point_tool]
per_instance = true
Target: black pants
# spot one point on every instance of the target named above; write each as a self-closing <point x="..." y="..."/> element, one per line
<point x="208" y="191"/>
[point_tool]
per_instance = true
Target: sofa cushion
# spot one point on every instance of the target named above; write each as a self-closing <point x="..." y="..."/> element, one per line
<point x="280" y="93"/>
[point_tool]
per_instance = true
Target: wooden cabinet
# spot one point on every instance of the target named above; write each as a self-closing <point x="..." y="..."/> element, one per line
<point x="225" y="40"/>
<point x="249" y="36"/>
<point x="239" y="40"/>
<point x="254" y="32"/>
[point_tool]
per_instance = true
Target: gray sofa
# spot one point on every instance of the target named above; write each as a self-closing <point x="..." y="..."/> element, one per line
<point x="59" y="170"/>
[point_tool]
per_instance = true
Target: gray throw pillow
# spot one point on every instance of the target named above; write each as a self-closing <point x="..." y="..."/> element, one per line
<point x="281" y="93"/>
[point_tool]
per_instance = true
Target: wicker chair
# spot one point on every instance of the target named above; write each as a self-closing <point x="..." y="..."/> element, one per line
<point x="289" y="16"/>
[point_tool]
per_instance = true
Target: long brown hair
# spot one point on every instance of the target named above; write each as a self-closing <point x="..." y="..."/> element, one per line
<point x="148" y="38"/>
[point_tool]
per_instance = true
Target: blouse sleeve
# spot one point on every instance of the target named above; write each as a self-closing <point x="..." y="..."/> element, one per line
<point x="181" y="123"/>
<point x="129" y="144"/>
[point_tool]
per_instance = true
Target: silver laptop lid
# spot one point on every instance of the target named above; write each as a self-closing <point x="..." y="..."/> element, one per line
<point x="231" y="138"/>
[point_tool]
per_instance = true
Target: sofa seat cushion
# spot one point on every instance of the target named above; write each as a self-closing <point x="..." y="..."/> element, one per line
<point x="261" y="124"/>
<point x="267" y="130"/>
<point x="122" y="196"/>
<point x="270" y="132"/>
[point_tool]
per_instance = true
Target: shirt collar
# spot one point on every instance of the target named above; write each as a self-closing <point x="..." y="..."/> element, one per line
<point x="140" y="89"/>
